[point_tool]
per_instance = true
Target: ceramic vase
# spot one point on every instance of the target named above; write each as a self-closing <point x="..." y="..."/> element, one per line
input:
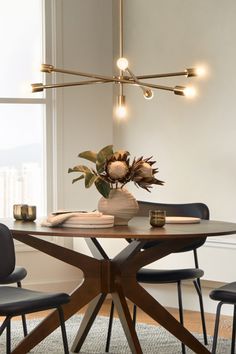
<point x="121" y="204"/>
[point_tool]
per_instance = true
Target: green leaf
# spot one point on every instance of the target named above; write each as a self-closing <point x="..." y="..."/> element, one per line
<point x="103" y="187"/>
<point x="89" y="155"/>
<point x="105" y="153"/>
<point x="100" y="166"/>
<point x="89" y="179"/>
<point x="79" y="168"/>
<point x="77" y="179"/>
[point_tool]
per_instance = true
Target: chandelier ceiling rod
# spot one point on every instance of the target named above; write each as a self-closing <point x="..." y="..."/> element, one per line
<point x="121" y="110"/>
<point x="121" y="27"/>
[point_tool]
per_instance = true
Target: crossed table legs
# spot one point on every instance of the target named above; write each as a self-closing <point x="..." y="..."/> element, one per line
<point x="102" y="276"/>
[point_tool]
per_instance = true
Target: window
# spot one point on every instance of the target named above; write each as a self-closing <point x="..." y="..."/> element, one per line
<point x="22" y="114"/>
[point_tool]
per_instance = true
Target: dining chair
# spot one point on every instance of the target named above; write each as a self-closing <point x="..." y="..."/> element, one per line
<point x="225" y="294"/>
<point x="163" y="276"/>
<point x="17" y="301"/>
<point x="18" y="274"/>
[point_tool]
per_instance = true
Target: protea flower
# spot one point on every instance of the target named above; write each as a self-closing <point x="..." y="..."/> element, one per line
<point x="142" y="173"/>
<point x="117" y="167"/>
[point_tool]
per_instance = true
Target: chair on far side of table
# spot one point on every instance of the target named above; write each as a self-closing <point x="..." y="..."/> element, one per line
<point x="226" y="294"/>
<point x="16" y="301"/>
<point x="164" y="276"/>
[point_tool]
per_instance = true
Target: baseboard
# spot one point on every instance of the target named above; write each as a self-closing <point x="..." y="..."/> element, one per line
<point x="54" y="286"/>
<point x="167" y="296"/>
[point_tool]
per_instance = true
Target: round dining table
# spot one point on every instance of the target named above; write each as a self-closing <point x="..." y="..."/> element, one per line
<point x="116" y="276"/>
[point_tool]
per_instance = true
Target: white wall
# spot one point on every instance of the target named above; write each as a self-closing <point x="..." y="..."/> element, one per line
<point x="85" y="112"/>
<point x="193" y="141"/>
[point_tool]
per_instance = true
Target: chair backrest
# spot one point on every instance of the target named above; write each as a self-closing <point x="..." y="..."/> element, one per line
<point x="7" y="252"/>
<point x="199" y="210"/>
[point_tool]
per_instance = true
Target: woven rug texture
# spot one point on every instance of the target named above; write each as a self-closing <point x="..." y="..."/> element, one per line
<point x="153" y="339"/>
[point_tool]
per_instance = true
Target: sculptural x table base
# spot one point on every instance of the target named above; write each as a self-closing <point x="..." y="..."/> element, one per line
<point x="116" y="276"/>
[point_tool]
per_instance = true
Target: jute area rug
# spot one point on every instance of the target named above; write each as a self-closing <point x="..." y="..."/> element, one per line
<point x="153" y="339"/>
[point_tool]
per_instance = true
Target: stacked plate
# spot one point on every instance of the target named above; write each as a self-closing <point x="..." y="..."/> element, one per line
<point x="182" y="220"/>
<point x="90" y="221"/>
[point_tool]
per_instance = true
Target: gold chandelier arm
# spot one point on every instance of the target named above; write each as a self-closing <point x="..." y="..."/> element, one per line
<point x="178" y="90"/>
<point x="190" y="72"/>
<point x="48" y="68"/>
<point x="159" y="87"/>
<point x="40" y="86"/>
<point x="156" y="76"/>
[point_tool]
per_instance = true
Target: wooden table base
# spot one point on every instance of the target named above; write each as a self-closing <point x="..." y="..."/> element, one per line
<point x="102" y="276"/>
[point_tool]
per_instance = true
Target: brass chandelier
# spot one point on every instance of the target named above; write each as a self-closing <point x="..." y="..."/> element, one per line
<point x="125" y="77"/>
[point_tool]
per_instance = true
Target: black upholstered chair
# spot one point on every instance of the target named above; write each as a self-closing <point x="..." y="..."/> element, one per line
<point x="162" y="276"/>
<point x="225" y="295"/>
<point x="16" y="301"/>
<point x="18" y="274"/>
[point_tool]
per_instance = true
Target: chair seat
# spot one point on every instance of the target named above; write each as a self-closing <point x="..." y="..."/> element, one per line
<point x="15" y="301"/>
<point x="155" y="276"/>
<point x="226" y="293"/>
<point x="17" y="275"/>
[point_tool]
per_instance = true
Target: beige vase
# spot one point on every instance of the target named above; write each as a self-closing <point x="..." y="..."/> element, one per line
<point x="121" y="204"/>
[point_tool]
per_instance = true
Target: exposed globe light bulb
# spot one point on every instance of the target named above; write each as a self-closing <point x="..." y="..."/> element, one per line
<point x="148" y="94"/>
<point x="121" y="111"/>
<point x="200" y="71"/>
<point x="121" y="107"/>
<point x="189" y="92"/>
<point x="122" y="63"/>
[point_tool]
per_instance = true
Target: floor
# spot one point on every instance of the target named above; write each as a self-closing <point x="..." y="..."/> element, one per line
<point x="192" y="320"/>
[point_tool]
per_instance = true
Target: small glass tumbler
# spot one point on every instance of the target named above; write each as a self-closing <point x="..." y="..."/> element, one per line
<point x="157" y="218"/>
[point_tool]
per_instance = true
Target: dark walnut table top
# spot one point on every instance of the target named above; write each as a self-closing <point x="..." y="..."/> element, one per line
<point x="138" y="228"/>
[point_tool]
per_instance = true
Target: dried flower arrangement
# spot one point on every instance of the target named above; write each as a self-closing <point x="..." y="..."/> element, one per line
<point x="114" y="170"/>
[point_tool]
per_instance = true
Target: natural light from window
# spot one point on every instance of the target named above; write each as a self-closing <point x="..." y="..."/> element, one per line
<point x="22" y="114"/>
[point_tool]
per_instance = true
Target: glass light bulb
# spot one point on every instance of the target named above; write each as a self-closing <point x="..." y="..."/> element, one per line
<point x="189" y="92"/>
<point x="148" y="94"/>
<point x="121" y="111"/>
<point x="200" y="71"/>
<point x="122" y="63"/>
